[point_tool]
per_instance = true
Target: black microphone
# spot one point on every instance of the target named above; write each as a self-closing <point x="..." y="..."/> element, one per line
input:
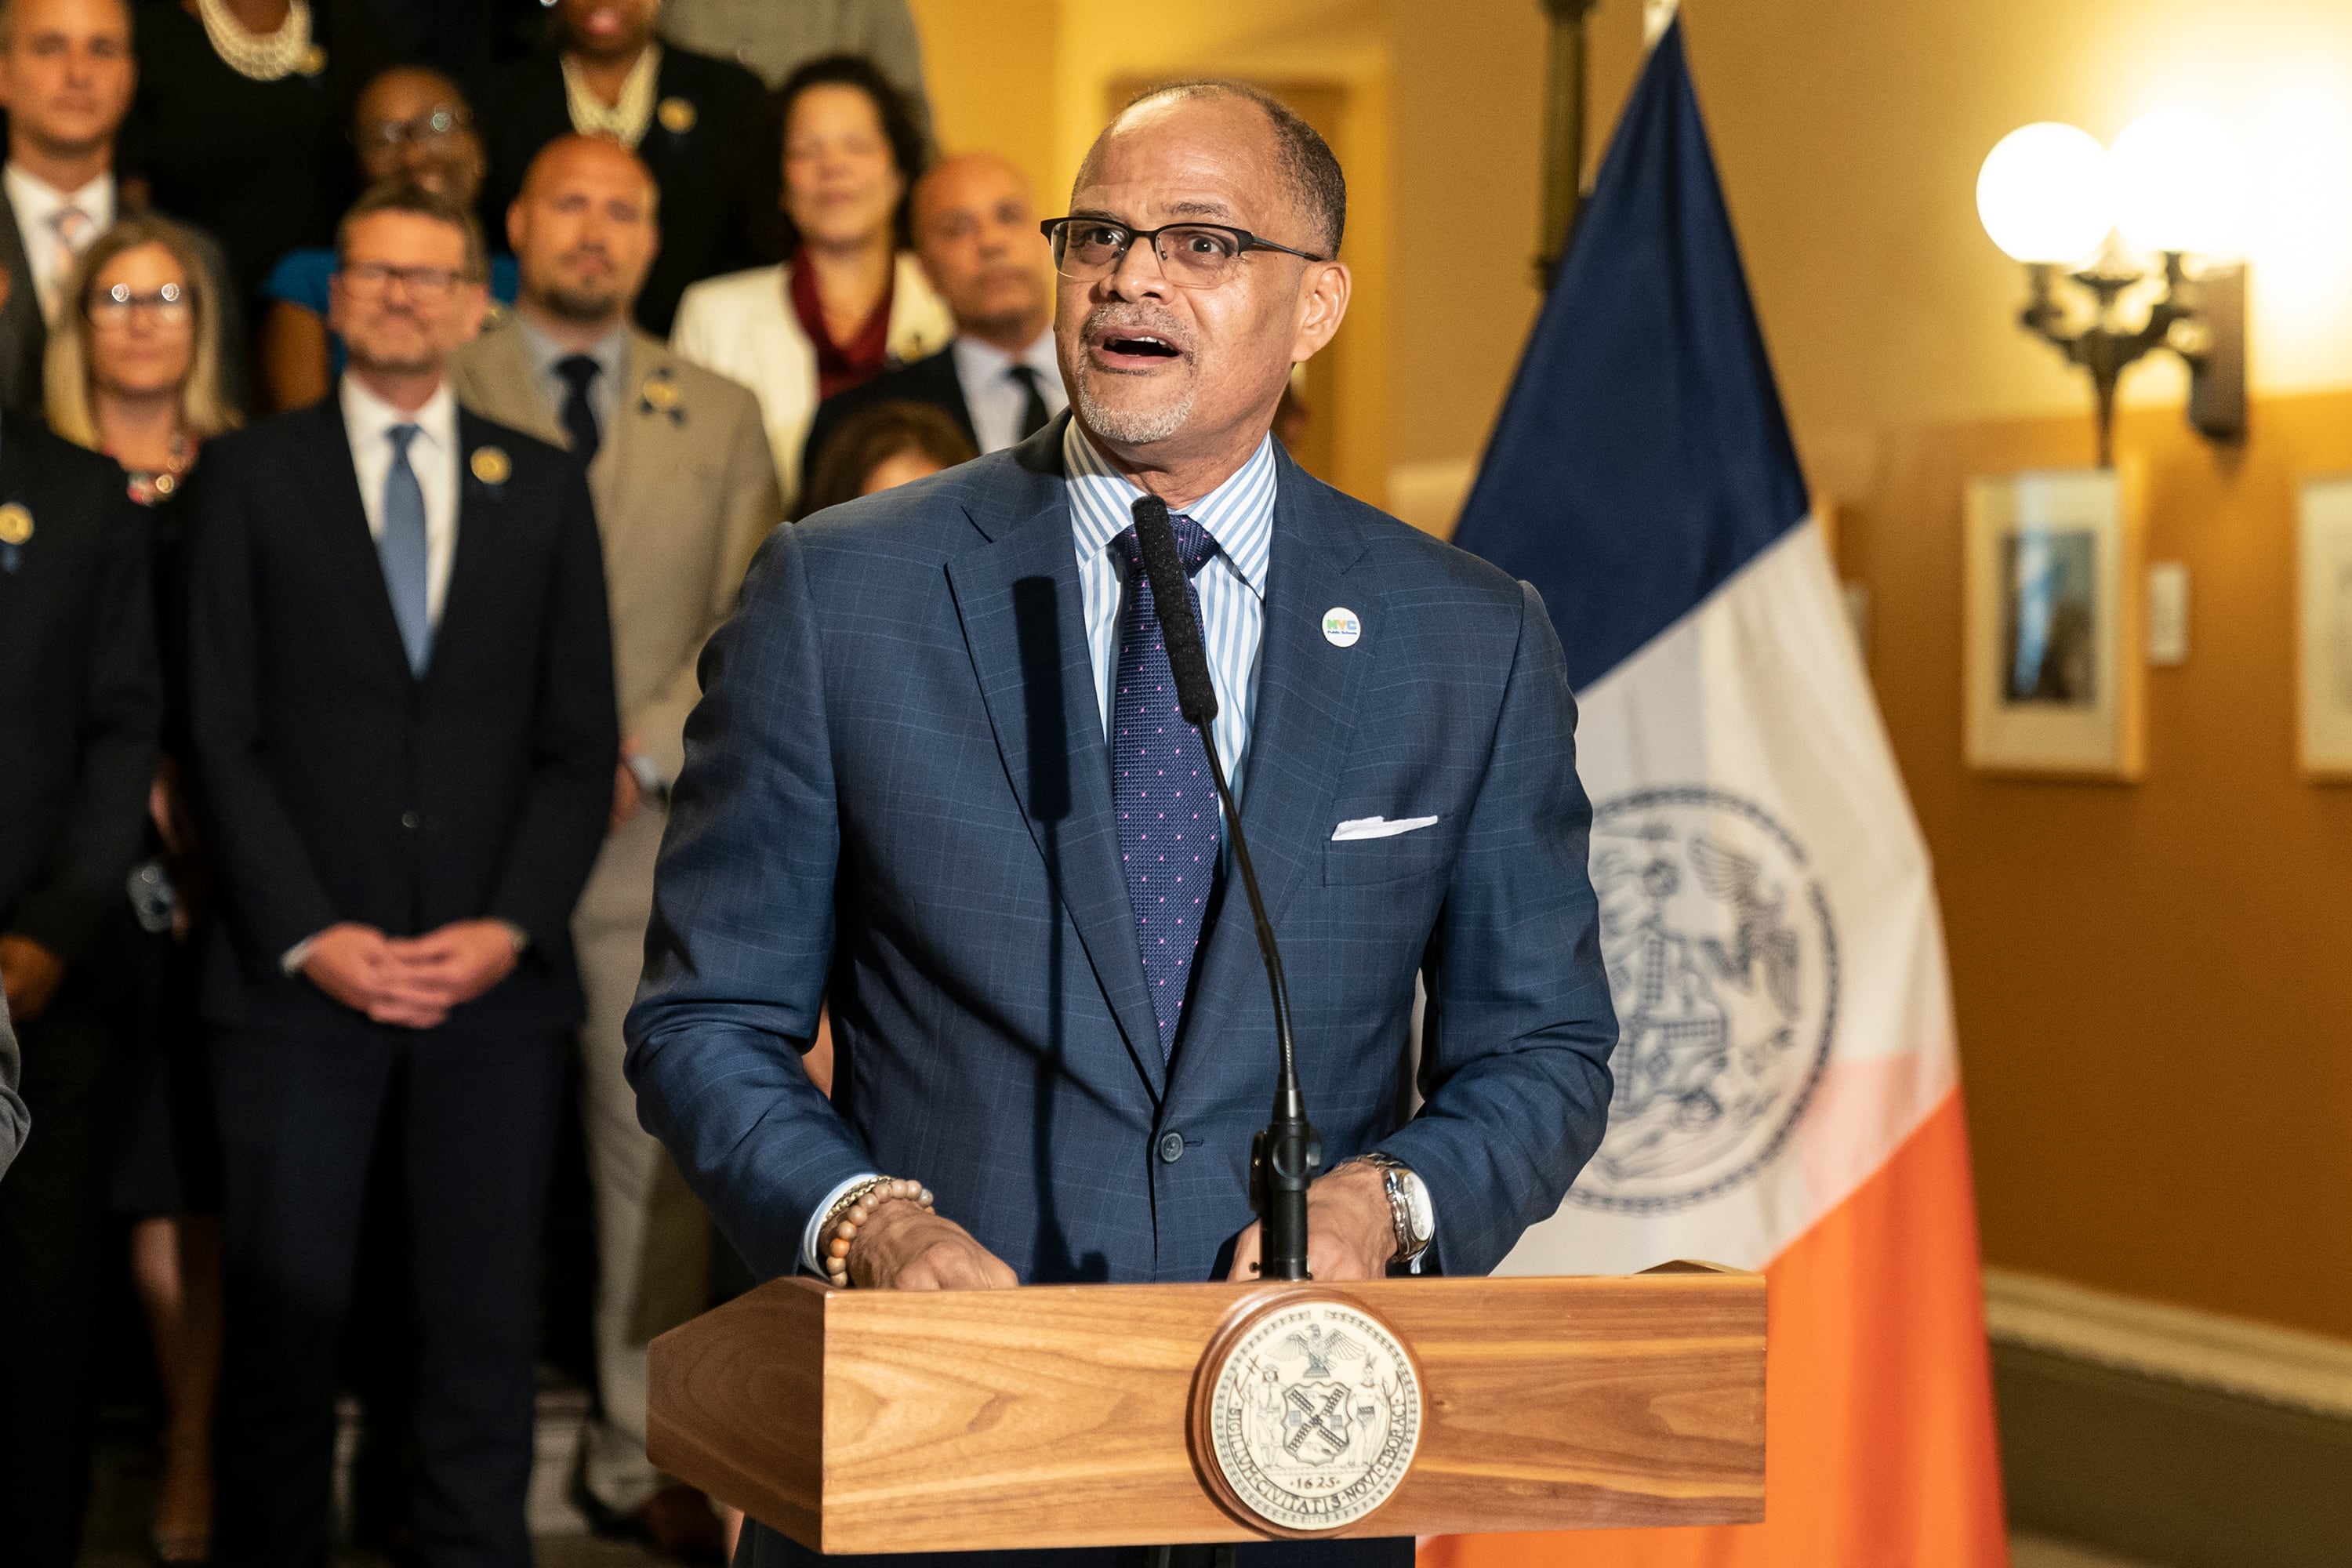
<point x="1285" y="1155"/>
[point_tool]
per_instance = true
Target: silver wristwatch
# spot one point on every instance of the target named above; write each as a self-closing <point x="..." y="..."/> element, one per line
<point x="1409" y="1208"/>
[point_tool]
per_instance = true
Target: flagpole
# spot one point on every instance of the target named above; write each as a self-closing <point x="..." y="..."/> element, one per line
<point x="1564" y="114"/>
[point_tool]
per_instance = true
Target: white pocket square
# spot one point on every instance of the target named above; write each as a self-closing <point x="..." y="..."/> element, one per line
<point x="1377" y="828"/>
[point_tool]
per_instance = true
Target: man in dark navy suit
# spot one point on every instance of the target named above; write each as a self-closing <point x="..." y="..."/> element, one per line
<point x="401" y="686"/>
<point x="937" y="781"/>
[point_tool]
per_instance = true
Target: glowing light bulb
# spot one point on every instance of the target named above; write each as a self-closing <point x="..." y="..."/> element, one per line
<point x="2180" y="182"/>
<point x="2044" y="193"/>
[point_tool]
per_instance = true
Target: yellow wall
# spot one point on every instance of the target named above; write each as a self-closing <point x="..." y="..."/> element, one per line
<point x="2147" y="976"/>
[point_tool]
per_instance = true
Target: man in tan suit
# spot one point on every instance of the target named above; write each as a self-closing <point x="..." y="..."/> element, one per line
<point x="685" y="490"/>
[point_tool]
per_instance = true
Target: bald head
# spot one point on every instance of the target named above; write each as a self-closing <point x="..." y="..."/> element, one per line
<point x="976" y="232"/>
<point x="570" y="157"/>
<point x="583" y="232"/>
<point x="1310" y="173"/>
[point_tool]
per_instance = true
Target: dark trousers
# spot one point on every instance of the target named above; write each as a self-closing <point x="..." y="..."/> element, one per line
<point x="765" y="1548"/>
<point x="54" y="1226"/>
<point x="469" y="1121"/>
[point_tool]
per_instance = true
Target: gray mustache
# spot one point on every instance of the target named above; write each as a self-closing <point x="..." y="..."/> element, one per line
<point x="1153" y="323"/>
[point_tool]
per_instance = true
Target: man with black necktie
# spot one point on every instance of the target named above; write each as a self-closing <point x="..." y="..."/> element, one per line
<point x="402" y="695"/>
<point x="976" y="234"/>
<point x="678" y="462"/>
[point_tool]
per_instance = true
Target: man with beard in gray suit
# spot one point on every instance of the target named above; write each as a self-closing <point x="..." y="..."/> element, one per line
<point x="685" y="490"/>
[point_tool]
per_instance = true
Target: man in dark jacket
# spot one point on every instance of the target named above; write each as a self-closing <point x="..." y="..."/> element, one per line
<point x="402" y="692"/>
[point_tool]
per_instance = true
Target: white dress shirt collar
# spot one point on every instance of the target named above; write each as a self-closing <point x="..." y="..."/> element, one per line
<point x="432" y="453"/>
<point x="996" y="400"/>
<point x="37" y="204"/>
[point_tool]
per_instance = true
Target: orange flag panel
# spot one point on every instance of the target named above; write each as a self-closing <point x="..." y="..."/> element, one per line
<point x="1879" y="1448"/>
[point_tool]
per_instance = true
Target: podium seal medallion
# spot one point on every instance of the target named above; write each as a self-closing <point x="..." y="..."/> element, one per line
<point x="1307" y="1412"/>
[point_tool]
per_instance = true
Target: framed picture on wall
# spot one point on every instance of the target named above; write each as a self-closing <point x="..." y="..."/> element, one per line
<point x="2323" y="629"/>
<point x="2049" y="633"/>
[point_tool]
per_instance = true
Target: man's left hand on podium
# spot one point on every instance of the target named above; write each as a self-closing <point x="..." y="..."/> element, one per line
<point x="1351" y="1228"/>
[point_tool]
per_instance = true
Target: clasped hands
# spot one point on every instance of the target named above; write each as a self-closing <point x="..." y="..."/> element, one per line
<point x="1350" y="1235"/>
<point x="410" y="981"/>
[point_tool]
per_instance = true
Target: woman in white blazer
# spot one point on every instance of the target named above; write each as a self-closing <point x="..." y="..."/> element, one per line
<point x="849" y="298"/>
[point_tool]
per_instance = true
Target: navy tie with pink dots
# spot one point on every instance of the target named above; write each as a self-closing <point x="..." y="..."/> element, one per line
<point x="1168" y="820"/>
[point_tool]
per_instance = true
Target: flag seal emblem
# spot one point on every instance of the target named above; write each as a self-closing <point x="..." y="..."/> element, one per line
<point x="1722" y="963"/>
<point x="1307" y="1412"/>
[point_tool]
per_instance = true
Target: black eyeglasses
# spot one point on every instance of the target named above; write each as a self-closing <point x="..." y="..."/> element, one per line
<point x="1192" y="255"/>
<point x="432" y="128"/>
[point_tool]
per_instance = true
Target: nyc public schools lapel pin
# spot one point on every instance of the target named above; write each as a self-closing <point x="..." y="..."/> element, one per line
<point x="313" y="60"/>
<point x="492" y="466"/>
<point x="676" y="116"/>
<point x="1341" y="626"/>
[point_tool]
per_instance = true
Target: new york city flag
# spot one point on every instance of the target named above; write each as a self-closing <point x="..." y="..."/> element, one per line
<point x="1787" y="1092"/>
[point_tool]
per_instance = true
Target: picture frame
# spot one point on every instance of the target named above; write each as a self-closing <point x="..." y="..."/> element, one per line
<point x="2053" y="685"/>
<point x="2323" y="635"/>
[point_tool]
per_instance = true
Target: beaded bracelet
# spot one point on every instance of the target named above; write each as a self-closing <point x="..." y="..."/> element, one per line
<point x="856" y="1205"/>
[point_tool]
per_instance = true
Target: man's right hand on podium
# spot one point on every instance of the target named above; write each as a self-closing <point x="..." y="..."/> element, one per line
<point x="905" y="1246"/>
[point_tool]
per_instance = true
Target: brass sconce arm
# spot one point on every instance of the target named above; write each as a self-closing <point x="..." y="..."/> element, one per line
<point x="2202" y="318"/>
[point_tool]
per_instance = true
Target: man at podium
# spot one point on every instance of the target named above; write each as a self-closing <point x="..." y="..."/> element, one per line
<point x="939" y="780"/>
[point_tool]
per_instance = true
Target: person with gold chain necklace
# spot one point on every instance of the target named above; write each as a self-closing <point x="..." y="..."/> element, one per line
<point x="240" y="121"/>
<point x="689" y="117"/>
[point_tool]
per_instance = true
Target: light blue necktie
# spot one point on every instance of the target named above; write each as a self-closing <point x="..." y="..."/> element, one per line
<point x="403" y="552"/>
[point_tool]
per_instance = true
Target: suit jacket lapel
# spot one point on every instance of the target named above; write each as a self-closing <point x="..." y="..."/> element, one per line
<point x="334" y="481"/>
<point x="1300" y="739"/>
<point x="1023" y="622"/>
<point x="21" y="325"/>
<point x="478" y="519"/>
<point x="638" y="457"/>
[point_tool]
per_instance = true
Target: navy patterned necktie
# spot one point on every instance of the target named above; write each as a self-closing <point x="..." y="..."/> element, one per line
<point x="1168" y="826"/>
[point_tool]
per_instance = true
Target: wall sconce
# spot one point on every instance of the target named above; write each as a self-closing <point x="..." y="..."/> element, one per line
<point x="2054" y="199"/>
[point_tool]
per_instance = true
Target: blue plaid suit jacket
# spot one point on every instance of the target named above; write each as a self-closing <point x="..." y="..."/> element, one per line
<point x="897" y="799"/>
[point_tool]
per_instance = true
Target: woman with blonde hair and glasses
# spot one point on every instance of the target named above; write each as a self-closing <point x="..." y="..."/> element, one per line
<point x="134" y="371"/>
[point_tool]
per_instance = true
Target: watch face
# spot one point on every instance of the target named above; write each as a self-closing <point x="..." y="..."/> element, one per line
<point x="1417" y="1209"/>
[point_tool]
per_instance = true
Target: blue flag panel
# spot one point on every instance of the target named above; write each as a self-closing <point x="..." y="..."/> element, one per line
<point x="1641" y="457"/>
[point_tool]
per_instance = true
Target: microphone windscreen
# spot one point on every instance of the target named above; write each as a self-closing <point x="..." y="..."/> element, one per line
<point x="1196" y="694"/>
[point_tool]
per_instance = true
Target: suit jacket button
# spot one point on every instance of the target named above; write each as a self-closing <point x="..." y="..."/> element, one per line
<point x="408" y="820"/>
<point x="1171" y="1147"/>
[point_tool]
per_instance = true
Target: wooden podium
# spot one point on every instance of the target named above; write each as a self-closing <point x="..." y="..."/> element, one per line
<point x="860" y="1421"/>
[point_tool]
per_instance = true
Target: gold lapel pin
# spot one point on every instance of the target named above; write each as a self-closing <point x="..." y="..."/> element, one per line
<point x="676" y="116"/>
<point x="313" y="60"/>
<point x="15" y="524"/>
<point x="660" y="393"/>
<point x="491" y="465"/>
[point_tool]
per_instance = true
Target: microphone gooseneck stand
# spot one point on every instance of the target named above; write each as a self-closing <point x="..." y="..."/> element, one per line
<point x="1284" y="1157"/>
<point x="1286" y="1151"/>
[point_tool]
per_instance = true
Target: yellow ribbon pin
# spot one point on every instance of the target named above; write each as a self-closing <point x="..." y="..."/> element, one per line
<point x="491" y="465"/>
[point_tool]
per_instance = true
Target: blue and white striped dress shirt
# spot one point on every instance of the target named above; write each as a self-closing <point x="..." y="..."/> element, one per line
<point x="1238" y="515"/>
